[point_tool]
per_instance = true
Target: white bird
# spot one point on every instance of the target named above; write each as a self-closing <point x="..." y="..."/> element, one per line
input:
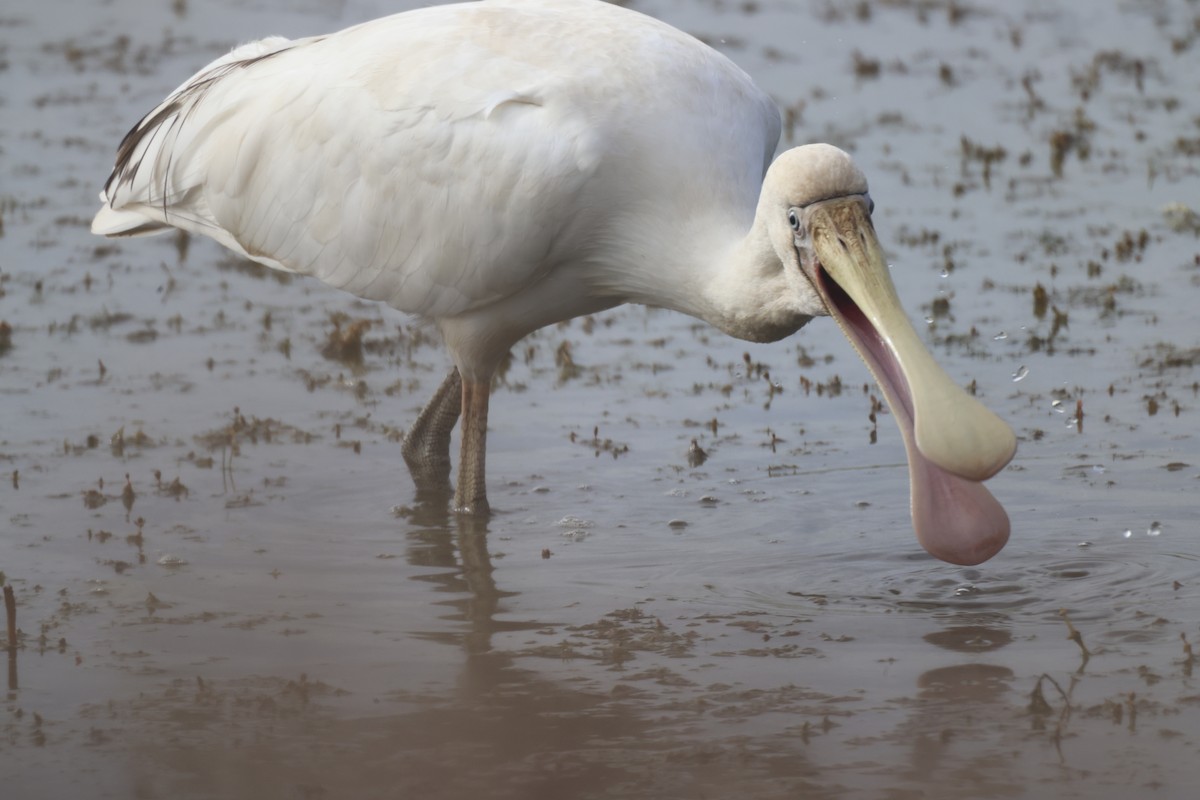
<point x="500" y="166"/>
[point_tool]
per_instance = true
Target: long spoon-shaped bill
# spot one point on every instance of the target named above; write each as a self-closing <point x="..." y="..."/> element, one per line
<point x="952" y="441"/>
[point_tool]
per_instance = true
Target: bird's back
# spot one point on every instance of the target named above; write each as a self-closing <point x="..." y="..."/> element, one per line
<point x="443" y="159"/>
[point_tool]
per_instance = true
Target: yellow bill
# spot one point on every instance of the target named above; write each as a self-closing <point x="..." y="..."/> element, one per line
<point x="953" y="442"/>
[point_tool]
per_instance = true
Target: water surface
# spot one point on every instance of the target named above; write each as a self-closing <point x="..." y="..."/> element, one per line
<point x="227" y="587"/>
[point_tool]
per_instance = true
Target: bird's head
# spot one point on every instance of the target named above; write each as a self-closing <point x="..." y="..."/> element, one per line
<point x="819" y="222"/>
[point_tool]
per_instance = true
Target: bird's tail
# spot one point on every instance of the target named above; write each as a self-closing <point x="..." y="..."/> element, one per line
<point x="111" y="222"/>
<point x="147" y="192"/>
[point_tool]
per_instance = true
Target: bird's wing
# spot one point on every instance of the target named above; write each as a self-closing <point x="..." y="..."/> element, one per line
<point x="409" y="160"/>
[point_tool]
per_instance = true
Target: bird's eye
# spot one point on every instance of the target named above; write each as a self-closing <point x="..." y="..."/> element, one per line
<point x="794" y="220"/>
<point x="870" y="205"/>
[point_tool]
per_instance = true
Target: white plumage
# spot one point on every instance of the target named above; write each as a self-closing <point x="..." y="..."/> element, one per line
<point x="500" y="166"/>
<point x="442" y="160"/>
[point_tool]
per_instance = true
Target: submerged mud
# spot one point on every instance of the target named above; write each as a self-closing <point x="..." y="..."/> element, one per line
<point x="701" y="577"/>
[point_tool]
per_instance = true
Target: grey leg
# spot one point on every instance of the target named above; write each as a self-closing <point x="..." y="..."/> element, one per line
<point x="426" y="447"/>
<point x="470" y="494"/>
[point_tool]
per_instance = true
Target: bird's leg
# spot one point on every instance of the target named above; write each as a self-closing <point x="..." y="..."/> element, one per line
<point x="470" y="494"/>
<point x="426" y="447"/>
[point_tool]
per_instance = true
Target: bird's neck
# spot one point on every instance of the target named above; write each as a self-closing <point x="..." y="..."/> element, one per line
<point x="726" y="275"/>
<point x="750" y="292"/>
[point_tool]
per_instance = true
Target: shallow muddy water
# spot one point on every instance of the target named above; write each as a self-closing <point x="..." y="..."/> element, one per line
<point x="226" y="587"/>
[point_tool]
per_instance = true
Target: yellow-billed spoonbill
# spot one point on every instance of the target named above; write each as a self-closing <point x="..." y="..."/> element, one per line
<point x="500" y="166"/>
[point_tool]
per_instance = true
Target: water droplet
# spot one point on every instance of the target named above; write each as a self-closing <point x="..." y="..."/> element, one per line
<point x="169" y="560"/>
<point x="1098" y="469"/>
<point x="1084" y="544"/>
<point x="677" y="524"/>
<point x="1000" y="337"/>
<point x="966" y="589"/>
<point x="945" y="273"/>
<point x="1020" y="374"/>
<point x="929" y="320"/>
<point x="1057" y="405"/>
<point x="1155" y="529"/>
<point x="1128" y="534"/>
